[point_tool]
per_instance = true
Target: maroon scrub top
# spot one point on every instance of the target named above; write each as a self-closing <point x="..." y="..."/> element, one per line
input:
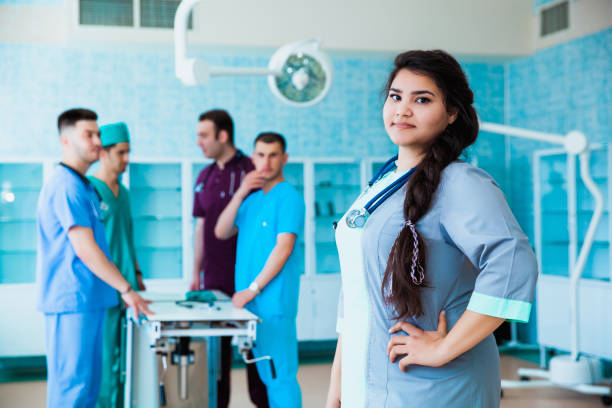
<point x="213" y="190"/>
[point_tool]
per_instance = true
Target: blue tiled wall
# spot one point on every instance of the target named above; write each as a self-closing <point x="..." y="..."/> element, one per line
<point x="559" y="89"/>
<point x="139" y="88"/>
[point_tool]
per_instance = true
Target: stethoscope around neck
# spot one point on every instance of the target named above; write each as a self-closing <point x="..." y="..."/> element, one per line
<point x="357" y="218"/>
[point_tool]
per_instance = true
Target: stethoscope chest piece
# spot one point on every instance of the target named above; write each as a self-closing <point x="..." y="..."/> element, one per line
<point x="356" y="218"/>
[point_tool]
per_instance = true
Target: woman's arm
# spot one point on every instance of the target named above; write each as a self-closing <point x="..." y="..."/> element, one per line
<point x="436" y="348"/>
<point x="333" y="394"/>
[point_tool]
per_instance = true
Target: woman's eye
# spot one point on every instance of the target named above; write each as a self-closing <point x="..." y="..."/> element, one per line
<point x="422" y="100"/>
<point x="395" y="97"/>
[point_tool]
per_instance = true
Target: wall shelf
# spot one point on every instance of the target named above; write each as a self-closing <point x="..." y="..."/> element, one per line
<point x="17" y="220"/>
<point x="155" y="218"/>
<point x="555" y="221"/>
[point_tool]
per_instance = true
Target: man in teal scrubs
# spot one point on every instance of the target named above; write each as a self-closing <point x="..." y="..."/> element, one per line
<point x="75" y="277"/>
<point x="267" y="213"/>
<point x="119" y="229"/>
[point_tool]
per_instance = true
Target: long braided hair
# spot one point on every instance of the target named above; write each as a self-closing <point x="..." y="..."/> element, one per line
<point x="400" y="289"/>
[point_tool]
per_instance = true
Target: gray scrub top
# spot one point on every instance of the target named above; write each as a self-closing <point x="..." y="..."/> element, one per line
<point x="478" y="259"/>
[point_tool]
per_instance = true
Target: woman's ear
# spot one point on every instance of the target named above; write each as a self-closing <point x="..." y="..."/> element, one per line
<point x="452" y="115"/>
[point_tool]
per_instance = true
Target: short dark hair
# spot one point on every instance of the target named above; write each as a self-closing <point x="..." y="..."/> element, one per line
<point x="271" y="137"/>
<point x="222" y="121"/>
<point x="72" y="116"/>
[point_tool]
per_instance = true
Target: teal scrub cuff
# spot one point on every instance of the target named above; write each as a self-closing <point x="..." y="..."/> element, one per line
<point x="509" y="309"/>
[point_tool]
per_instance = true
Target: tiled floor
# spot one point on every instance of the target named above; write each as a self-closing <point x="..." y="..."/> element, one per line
<point x="314" y="378"/>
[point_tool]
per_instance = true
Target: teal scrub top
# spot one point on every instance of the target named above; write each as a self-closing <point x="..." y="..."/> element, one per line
<point x="260" y="219"/>
<point x="116" y="216"/>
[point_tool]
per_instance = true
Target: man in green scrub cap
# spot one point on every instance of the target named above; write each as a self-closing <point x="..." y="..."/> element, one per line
<point x="118" y="225"/>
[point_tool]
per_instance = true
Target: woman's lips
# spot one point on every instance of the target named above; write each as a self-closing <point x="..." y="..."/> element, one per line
<point x="403" y="125"/>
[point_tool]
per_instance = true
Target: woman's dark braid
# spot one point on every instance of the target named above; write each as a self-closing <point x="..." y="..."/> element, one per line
<point x="419" y="194"/>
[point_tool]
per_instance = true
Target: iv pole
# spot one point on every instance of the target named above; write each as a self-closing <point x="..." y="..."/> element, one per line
<point x="571" y="372"/>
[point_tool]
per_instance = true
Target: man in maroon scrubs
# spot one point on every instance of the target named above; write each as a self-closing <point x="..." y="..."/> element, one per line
<point x="214" y="260"/>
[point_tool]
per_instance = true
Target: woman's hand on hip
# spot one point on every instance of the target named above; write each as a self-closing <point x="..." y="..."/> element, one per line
<point x="420" y="347"/>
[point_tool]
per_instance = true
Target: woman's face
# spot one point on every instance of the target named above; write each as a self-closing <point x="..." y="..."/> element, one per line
<point x="414" y="113"/>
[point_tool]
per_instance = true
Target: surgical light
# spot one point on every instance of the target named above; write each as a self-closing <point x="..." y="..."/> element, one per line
<point x="299" y="74"/>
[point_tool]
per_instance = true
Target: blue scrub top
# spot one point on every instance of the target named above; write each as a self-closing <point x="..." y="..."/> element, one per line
<point x="260" y="219"/>
<point x="65" y="284"/>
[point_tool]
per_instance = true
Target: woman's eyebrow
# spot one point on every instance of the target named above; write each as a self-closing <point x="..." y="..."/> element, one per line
<point x="419" y="92"/>
<point x="422" y="92"/>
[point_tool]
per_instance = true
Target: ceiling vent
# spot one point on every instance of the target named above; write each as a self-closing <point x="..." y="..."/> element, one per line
<point x="151" y="13"/>
<point x="554" y="19"/>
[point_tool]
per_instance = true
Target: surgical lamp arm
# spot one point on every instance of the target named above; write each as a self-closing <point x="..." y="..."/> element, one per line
<point x="192" y="71"/>
<point x="575" y="143"/>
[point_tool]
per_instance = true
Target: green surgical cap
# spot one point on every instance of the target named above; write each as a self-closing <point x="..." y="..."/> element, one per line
<point x="114" y="133"/>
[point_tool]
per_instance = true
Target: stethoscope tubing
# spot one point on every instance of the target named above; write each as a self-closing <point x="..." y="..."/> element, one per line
<point x="387" y="192"/>
<point x="357" y="218"/>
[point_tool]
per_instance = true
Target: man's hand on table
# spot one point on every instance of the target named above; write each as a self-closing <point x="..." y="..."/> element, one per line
<point x="240" y="299"/>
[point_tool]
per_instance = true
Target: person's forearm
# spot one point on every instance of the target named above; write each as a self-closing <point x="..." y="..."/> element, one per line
<point x="470" y="329"/>
<point x="198" y="247"/>
<point x="225" y="228"/>
<point x="275" y="263"/>
<point x="99" y="265"/>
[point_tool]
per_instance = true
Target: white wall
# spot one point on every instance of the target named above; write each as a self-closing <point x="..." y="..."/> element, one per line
<point x="478" y="27"/>
<point x="465" y="27"/>
<point x="33" y="24"/>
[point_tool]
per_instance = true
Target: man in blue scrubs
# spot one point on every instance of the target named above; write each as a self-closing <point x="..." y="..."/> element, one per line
<point x="214" y="260"/>
<point x="267" y="213"/>
<point x="76" y="280"/>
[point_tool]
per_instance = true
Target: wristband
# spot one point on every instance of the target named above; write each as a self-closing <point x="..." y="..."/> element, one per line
<point x="127" y="290"/>
<point x="254" y="286"/>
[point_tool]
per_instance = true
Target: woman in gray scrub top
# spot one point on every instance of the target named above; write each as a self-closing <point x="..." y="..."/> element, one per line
<point x="429" y="269"/>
